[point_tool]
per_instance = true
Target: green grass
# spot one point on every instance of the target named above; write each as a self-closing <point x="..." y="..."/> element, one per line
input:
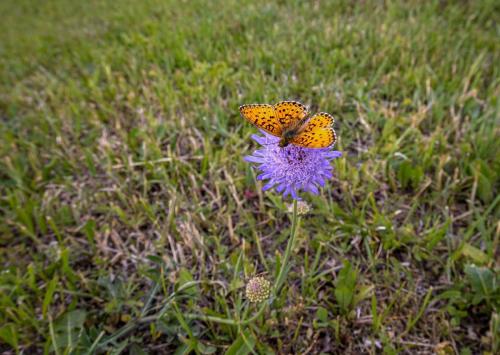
<point x="122" y="178"/>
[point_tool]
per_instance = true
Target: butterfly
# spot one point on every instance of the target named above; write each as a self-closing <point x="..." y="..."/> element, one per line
<point x="288" y="120"/>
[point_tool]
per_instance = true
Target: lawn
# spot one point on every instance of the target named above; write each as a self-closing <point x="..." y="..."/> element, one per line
<point x="131" y="223"/>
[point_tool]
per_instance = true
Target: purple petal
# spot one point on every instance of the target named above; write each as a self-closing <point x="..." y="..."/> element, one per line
<point x="267" y="186"/>
<point x="313" y="189"/>
<point x="333" y="154"/>
<point x="280" y="188"/>
<point x="264" y="176"/>
<point x="258" y="139"/>
<point x="253" y="159"/>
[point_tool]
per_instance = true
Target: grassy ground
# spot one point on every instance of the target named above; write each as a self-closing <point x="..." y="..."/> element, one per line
<point x="122" y="179"/>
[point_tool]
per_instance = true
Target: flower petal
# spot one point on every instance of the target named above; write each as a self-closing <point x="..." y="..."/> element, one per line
<point x="313" y="189"/>
<point x="267" y="186"/>
<point x="253" y="159"/>
<point x="264" y="176"/>
<point x="280" y="188"/>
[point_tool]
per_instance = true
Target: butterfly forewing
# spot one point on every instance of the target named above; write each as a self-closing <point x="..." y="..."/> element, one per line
<point x="318" y="138"/>
<point x="263" y="117"/>
<point x="290" y="113"/>
<point x="317" y="132"/>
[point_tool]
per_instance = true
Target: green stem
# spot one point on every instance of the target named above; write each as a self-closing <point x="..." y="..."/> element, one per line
<point x="277" y="284"/>
<point x="291" y="241"/>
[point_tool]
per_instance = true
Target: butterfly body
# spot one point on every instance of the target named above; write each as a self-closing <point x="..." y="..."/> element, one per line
<point x="289" y="121"/>
<point x="290" y="133"/>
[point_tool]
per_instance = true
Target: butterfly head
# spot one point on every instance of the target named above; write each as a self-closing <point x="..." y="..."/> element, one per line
<point x="287" y="136"/>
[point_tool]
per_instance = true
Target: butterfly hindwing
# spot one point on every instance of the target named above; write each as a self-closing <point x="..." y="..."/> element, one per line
<point x="290" y="112"/>
<point x="317" y="138"/>
<point x="319" y="120"/>
<point x="262" y="116"/>
<point x="317" y="132"/>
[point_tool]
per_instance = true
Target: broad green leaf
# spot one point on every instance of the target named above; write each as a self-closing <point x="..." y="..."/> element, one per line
<point x="482" y="281"/>
<point x="322" y="314"/>
<point x="68" y="329"/>
<point x="184" y="277"/>
<point x="51" y="287"/>
<point x="474" y="253"/>
<point x="9" y="335"/>
<point x="344" y="296"/>
<point x="345" y="286"/>
<point x="206" y="349"/>
<point x="243" y="345"/>
<point x="485" y="180"/>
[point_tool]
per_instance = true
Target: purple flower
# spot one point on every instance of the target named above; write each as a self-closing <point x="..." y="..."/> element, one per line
<point x="291" y="169"/>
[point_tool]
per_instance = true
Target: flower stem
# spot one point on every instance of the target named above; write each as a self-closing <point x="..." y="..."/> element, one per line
<point x="277" y="284"/>
<point x="284" y="264"/>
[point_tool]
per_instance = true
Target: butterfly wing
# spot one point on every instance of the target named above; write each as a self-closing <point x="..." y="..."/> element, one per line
<point x="317" y="132"/>
<point x="262" y="116"/>
<point x="290" y="113"/>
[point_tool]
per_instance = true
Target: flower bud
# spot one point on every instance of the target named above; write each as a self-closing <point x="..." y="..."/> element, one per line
<point x="303" y="208"/>
<point x="258" y="289"/>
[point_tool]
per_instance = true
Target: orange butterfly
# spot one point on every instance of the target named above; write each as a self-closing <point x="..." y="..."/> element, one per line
<point x="288" y="120"/>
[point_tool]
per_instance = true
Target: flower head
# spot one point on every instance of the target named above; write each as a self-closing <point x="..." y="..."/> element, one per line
<point x="258" y="289"/>
<point x="292" y="168"/>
